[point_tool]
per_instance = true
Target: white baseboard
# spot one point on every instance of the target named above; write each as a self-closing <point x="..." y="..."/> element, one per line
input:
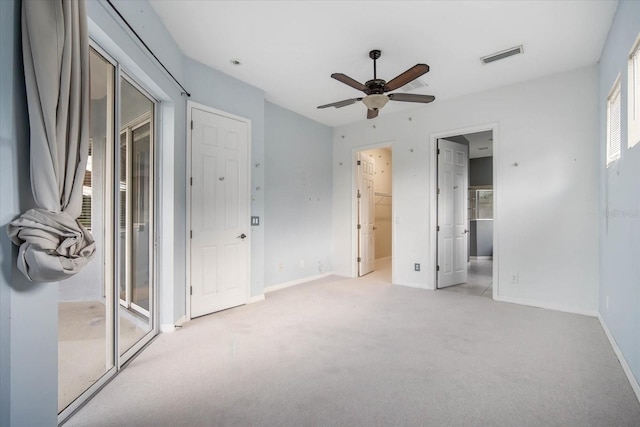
<point x="481" y="257"/>
<point x="296" y="282"/>
<point x="383" y="258"/>
<point x="625" y="366"/>
<point x="172" y="327"/>
<point x="256" y="298"/>
<point x="548" y="306"/>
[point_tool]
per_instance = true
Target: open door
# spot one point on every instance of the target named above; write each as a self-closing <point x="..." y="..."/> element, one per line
<point x="366" y="235"/>
<point x="453" y="233"/>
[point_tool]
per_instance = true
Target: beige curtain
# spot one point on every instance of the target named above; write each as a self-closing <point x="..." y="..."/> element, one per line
<point x="55" y="43"/>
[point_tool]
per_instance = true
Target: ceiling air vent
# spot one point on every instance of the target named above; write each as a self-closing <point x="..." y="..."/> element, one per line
<point x="502" y="54"/>
<point x="411" y="86"/>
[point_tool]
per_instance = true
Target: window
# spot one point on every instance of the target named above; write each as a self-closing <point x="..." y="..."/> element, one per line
<point x="613" y="123"/>
<point x="85" y="214"/>
<point x="634" y="95"/>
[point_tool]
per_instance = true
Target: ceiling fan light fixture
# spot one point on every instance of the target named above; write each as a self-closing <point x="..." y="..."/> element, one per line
<point x="375" y="102"/>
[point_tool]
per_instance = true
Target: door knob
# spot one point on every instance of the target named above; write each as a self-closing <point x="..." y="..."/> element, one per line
<point x="242" y="236"/>
<point x="465" y="231"/>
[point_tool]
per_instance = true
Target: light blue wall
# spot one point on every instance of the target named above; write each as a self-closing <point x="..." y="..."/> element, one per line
<point x="620" y="199"/>
<point x="298" y="210"/>
<point x="28" y="311"/>
<point x="9" y="135"/>
<point x="217" y="90"/>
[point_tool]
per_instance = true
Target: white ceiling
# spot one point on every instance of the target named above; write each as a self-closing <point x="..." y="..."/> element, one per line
<point x="480" y="144"/>
<point x="289" y="49"/>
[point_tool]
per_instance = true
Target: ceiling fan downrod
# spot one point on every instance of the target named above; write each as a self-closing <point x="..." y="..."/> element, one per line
<point x="374" y="54"/>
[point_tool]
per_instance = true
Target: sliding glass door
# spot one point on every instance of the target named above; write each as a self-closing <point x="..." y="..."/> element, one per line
<point x="107" y="311"/>
<point x="86" y="327"/>
<point x="135" y="219"/>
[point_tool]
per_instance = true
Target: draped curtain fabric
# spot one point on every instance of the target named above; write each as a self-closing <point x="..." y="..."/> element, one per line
<point x="55" y="43"/>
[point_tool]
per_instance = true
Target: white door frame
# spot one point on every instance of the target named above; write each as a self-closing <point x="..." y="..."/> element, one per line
<point x="354" y="206"/>
<point x="433" y="185"/>
<point x="190" y="106"/>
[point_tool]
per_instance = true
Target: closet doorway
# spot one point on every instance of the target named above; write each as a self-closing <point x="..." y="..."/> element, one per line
<point x="465" y="213"/>
<point x="374" y="210"/>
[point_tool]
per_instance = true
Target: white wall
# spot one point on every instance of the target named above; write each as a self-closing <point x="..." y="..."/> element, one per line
<point x="620" y="200"/>
<point x="547" y="206"/>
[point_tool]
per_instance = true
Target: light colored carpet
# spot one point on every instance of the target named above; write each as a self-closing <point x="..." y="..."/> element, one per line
<point x="82" y="353"/>
<point x="338" y="352"/>
<point x="81" y="348"/>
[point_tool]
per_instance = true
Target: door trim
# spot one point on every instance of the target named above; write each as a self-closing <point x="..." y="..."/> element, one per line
<point x="190" y="106"/>
<point x="354" y="206"/>
<point x="433" y="200"/>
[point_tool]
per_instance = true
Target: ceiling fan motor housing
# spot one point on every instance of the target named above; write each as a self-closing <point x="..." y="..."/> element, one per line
<point x="375" y="86"/>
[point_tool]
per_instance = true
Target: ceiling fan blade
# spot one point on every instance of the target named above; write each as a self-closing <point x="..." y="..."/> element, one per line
<point x="340" y="104"/>
<point x="350" y="82"/>
<point x="404" y="78"/>
<point x="411" y="97"/>
<point x="372" y="114"/>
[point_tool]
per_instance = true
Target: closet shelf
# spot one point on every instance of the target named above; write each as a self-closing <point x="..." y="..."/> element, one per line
<point x="381" y="198"/>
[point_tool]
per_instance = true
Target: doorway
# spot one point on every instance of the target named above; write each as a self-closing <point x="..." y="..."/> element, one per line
<point x="465" y="213"/>
<point x="374" y="210"/>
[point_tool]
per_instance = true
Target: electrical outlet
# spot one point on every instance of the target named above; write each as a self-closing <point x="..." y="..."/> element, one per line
<point x="515" y="279"/>
<point x="416" y="266"/>
<point x="280" y="267"/>
<point x="606" y="302"/>
<point x="301" y="263"/>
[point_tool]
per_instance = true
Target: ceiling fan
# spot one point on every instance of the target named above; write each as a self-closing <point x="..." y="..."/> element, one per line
<point x="376" y="88"/>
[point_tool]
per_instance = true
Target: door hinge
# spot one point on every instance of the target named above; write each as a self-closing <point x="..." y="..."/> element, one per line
<point x="359" y="259"/>
<point x="438" y="229"/>
<point x="359" y="195"/>
<point x="358" y="162"/>
<point x="438" y="191"/>
<point x="191" y="234"/>
<point x="437" y="268"/>
<point x="438" y="148"/>
<point x="359" y="226"/>
<point x="191" y="124"/>
<point x="190" y="290"/>
<point x="191" y="181"/>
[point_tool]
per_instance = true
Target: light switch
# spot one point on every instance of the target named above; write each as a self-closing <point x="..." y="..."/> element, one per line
<point x="255" y="220"/>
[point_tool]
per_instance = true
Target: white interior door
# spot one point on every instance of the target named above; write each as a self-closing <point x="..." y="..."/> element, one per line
<point x="453" y="233"/>
<point x="219" y="213"/>
<point x="366" y="214"/>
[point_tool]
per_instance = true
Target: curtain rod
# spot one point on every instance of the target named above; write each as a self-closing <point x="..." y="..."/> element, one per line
<point x="184" y="91"/>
